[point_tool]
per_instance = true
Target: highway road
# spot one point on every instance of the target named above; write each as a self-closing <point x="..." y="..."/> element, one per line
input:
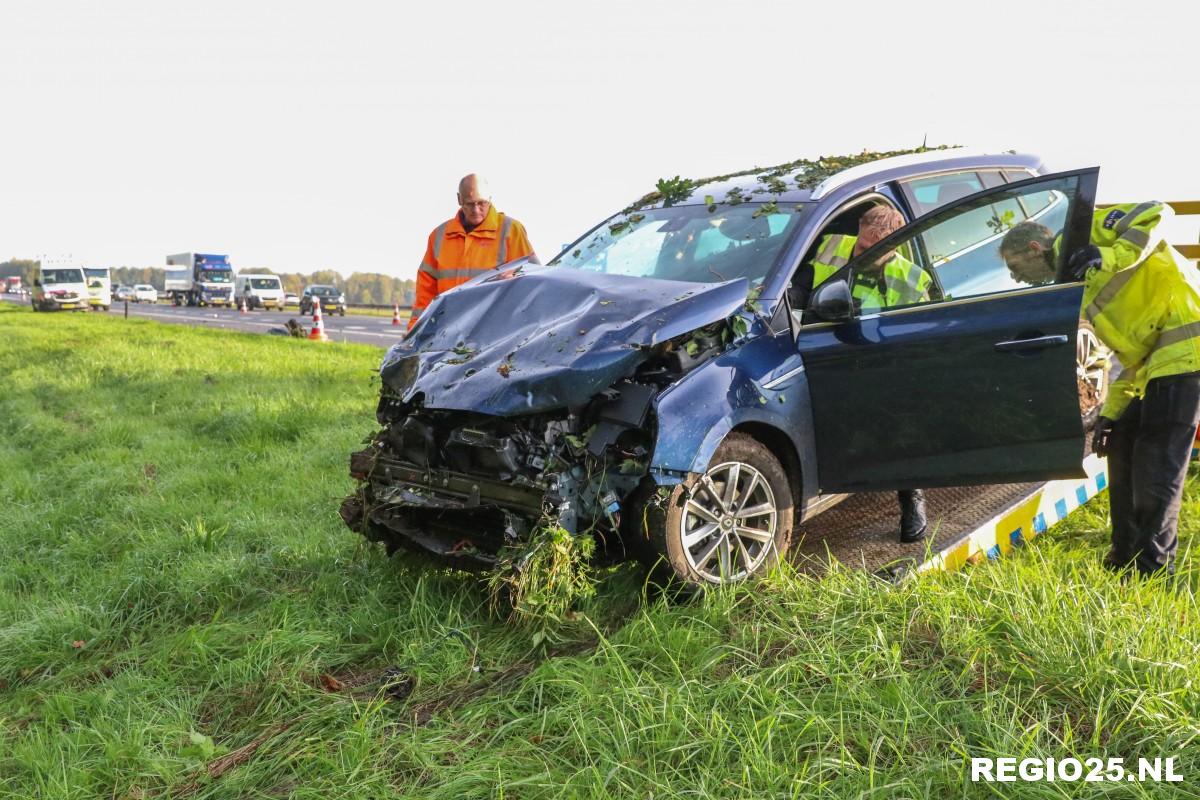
<point x="363" y="329"/>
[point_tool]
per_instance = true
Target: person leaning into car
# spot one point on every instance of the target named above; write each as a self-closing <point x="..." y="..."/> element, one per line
<point x="477" y="239"/>
<point x="898" y="281"/>
<point x="1145" y="305"/>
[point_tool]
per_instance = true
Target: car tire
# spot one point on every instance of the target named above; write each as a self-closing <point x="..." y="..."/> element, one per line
<point x="698" y="531"/>
<point x="1093" y="372"/>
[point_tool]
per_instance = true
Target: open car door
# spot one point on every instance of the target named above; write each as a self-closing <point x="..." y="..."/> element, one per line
<point x="965" y="375"/>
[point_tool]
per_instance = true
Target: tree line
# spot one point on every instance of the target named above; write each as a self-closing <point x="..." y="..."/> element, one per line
<point x="361" y="288"/>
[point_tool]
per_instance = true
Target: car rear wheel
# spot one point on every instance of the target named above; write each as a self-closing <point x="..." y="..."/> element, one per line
<point x="1093" y="362"/>
<point x="730" y="524"/>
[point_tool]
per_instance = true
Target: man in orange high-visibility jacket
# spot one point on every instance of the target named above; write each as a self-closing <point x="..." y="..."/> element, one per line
<point x="476" y="240"/>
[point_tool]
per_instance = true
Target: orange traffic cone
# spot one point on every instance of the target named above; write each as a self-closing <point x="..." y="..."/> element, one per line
<point x="244" y="309"/>
<point x="396" y="314"/>
<point x="318" y="329"/>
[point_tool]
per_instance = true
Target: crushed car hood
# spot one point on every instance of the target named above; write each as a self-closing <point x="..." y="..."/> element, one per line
<point x="534" y="338"/>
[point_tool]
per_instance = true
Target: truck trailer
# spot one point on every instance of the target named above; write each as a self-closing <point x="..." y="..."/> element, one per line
<point x="199" y="279"/>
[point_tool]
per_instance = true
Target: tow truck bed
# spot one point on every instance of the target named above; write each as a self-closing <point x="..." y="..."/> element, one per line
<point x="967" y="524"/>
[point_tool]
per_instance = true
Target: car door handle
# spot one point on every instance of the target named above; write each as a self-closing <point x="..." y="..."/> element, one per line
<point x="1036" y="343"/>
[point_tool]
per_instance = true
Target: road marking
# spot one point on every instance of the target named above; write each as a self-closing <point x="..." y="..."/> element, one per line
<point x="235" y="321"/>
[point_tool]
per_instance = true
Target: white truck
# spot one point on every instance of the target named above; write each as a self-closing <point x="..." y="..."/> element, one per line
<point x="199" y="279"/>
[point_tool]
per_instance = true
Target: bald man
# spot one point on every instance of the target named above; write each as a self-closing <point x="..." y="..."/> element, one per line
<point x="477" y="239"/>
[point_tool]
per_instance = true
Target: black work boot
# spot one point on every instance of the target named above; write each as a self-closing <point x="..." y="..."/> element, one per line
<point x="913" y="524"/>
<point x="1116" y="561"/>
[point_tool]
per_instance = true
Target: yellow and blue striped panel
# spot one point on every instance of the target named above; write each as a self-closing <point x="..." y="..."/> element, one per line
<point x="1035" y="514"/>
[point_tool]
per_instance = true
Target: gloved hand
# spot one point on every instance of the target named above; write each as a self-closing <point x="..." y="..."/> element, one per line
<point x="1082" y="260"/>
<point x="1101" y="435"/>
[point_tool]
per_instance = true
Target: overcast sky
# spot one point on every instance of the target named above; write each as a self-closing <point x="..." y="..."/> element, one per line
<point x="303" y="135"/>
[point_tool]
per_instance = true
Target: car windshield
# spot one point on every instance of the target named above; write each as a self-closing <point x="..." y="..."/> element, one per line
<point x="687" y="243"/>
<point x="264" y="283"/>
<point x="215" y="276"/>
<point x="324" y="291"/>
<point x="62" y="276"/>
<point x="96" y="273"/>
<point x="145" y="288"/>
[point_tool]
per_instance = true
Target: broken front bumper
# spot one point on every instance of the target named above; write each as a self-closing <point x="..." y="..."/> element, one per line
<point x="465" y="519"/>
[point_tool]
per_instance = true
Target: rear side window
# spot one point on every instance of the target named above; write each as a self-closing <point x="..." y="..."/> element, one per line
<point x="927" y="194"/>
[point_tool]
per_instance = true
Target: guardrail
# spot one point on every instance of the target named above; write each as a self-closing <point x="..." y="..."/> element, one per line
<point x="377" y="307"/>
<point x="166" y="300"/>
<point x="1187" y="208"/>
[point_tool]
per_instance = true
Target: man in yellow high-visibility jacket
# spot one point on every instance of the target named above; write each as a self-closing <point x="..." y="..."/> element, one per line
<point x="897" y="281"/>
<point x="1144" y="302"/>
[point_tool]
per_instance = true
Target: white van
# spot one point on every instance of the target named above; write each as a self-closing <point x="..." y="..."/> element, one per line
<point x="99" y="283"/>
<point x="259" y="291"/>
<point x="58" y="288"/>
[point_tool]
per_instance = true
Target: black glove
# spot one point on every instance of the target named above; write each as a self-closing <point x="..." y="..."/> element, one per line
<point x="1101" y="436"/>
<point x="1082" y="260"/>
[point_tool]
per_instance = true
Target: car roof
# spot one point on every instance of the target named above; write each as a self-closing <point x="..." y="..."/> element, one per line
<point x="804" y="180"/>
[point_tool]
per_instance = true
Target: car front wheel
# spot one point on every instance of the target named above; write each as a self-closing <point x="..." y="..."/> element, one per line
<point x="730" y="524"/>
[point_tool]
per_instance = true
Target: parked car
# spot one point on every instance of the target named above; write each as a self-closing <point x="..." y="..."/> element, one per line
<point x="145" y="293"/>
<point x="59" y="289"/>
<point x="123" y="292"/>
<point x="331" y="297"/>
<point x="291" y="299"/>
<point x="673" y="381"/>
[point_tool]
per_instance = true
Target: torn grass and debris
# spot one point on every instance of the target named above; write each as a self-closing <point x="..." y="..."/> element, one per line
<point x="541" y="580"/>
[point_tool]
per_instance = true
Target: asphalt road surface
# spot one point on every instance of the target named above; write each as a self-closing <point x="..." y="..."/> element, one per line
<point x="363" y="329"/>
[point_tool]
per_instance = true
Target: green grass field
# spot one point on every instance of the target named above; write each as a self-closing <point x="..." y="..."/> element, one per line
<point x="182" y="614"/>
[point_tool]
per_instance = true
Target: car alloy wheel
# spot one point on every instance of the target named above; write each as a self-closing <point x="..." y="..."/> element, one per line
<point x="728" y="525"/>
<point x="1093" y="361"/>
<point x="731" y="523"/>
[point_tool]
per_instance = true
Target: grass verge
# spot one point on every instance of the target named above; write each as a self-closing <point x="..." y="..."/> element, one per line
<point x="182" y="614"/>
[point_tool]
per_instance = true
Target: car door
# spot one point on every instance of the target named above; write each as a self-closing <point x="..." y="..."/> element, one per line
<point x="973" y="383"/>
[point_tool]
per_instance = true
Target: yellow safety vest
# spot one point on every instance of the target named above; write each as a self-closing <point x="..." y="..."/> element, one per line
<point x="903" y="281"/>
<point x="1143" y="300"/>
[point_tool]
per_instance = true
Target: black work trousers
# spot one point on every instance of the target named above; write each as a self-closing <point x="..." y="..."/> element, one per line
<point x="1148" y="454"/>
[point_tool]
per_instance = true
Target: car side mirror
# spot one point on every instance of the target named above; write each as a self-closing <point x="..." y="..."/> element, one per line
<point x="832" y="302"/>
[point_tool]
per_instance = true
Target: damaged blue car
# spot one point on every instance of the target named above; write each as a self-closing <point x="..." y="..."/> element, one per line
<point x="678" y="385"/>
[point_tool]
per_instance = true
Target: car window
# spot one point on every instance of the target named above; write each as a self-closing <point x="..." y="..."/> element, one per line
<point x="686" y="243"/>
<point x="62" y="276"/>
<point x="956" y="253"/>
<point x="930" y="194"/>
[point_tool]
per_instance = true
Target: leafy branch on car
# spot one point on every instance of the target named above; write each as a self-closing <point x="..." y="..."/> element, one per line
<point x="804" y="173"/>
